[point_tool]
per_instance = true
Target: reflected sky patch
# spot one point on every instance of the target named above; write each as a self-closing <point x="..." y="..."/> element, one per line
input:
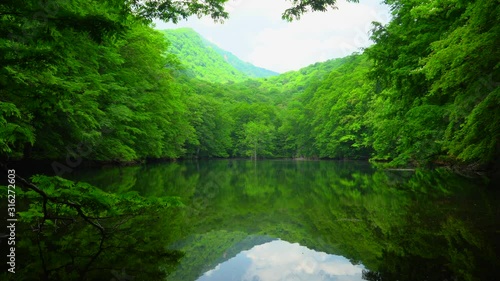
<point x="280" y="260"/>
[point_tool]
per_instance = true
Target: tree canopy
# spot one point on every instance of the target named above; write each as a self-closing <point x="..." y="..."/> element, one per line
<point x="425" y="92"/>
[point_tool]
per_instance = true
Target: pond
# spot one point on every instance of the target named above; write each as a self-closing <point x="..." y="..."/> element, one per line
<point x="319" y="220"/>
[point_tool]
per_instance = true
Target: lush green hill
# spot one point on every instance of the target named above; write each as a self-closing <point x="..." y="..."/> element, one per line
<point x="204" y="60"/>
<point x="245" y="67"/>
<point x="289" y="84"/>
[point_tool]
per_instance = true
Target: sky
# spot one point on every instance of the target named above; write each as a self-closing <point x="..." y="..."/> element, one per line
<point x="256" y="33"/>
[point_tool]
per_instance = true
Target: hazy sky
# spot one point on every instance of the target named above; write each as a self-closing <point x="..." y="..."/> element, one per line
<point x="256" y="33"/>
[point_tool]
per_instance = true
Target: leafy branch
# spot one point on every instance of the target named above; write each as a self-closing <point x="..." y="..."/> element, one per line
<point x="68" y="251"/>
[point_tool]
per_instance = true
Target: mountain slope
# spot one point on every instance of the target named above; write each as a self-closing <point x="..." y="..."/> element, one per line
<point x="282" y="88"/>
<point x="206" y="61"/>
<point x="245" y="67"/>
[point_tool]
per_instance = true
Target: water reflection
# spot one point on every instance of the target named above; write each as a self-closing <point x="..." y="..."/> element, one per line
<point x="281" y="260"/>
<point x="401" y="225"/>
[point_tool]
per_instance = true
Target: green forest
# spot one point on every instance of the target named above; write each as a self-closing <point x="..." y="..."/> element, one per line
<point x="96" y="81"/>
<point x="87" y="81"/>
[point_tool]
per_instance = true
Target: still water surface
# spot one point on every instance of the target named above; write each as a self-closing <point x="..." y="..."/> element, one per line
<point x="281" y="260"/>
<point x="319" y="220"/>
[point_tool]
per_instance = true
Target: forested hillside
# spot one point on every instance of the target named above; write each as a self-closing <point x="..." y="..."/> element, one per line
<point x="204" y="60"/>
<point x="110" y="89"/>
<point x="247" y="68"/>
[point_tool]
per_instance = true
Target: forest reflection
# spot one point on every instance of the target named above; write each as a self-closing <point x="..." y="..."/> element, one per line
<point x="418" y="224"/>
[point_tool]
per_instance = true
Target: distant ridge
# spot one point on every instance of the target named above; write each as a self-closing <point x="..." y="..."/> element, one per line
<point x="247" y="68"/>
<point x="204" y="60"/>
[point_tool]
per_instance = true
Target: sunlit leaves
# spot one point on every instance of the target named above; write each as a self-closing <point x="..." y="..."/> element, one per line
<point x="258" y="139"/>
<point x="199" y="59"/>
<point x="440" y="57"/>
<point x="213" y="126"/>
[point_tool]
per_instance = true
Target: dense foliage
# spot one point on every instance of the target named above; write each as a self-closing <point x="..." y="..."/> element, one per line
<point x="204" y="60"/>
<point x="75" y="231"/>
<point x="68" y="86"/>
<point x="108" y="87"/>
<point x="438" y="67"/>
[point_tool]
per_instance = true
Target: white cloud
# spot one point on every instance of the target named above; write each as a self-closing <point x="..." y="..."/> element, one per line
<point x="280" y="260"/>
<point x="256" y="33"/>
